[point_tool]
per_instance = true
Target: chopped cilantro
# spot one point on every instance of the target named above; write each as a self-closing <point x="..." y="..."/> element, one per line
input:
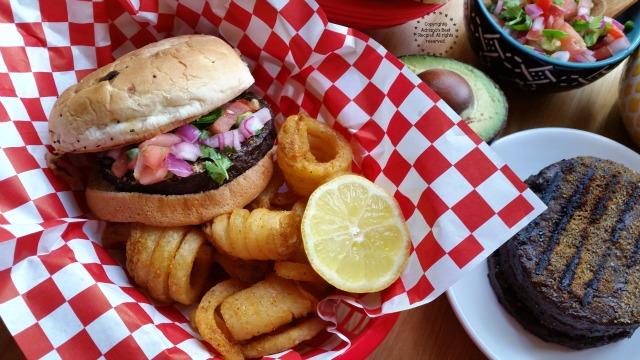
<point x="131" y="153"/>
<point x="554" y="34"/>
<point x="217" y="168"/>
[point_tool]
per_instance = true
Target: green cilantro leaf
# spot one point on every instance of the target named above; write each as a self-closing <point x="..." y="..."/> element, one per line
<point x="217" y="168"/>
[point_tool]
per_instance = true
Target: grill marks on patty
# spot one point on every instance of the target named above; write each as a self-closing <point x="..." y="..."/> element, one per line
<point x="583" y="195"/>
<point x="575" y="268"/>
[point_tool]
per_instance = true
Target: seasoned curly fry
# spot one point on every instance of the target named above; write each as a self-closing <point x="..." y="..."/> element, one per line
<point x="261" y="234"/>
<point x="264" y="306"/>
<point x="172" y="263"/>
<point x="205" y="319"/>
<point x="247" y="271"/>
<point x="142" y="241"/>
<point x="309" y="151"/>
<point x="285" y="338"/>
<point x="296" y="271"/>
<point x="163" y="254"/>
<point x="190" y="268"/>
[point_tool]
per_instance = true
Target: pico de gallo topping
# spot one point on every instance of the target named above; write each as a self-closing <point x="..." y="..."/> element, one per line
<point x="561" y="29"/>
<point x="201" y="143"/>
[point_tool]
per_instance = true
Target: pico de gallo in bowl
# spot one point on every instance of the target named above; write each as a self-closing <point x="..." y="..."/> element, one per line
<point x="556" y="45"/>
<point x="564" y="30"/>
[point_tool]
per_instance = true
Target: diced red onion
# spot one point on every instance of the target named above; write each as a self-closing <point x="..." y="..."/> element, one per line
<point x="226" y="139"/>
<point x="533" y="11"/>
<point x="585" y="57"/>
<point x="211" y="141"/>
<point x="613" y="22"/>
<point x="186" y="151"/>
<point x="263" y="115"/>
<point x="254" y="122"/>
<point x="237" y="139"/>
<point x="537" y="24"/>
<point x="619" y="45"/>
<point x="247" y="128"/>
<point x="178" y="166"/>
<point x="188" y="133"/>
<point x="499" y="6"/>
<point x="584" y="7"/>
<point x="561" y="55"/>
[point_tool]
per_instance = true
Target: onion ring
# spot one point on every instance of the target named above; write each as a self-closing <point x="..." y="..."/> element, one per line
<point x="190" y="268"/>
<point x="247" y="271"/>
<point x="309" y="151"/>
<point x="207" y="325"/>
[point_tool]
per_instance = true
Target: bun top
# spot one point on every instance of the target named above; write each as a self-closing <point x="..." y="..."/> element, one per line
<point x="146" y="92"/>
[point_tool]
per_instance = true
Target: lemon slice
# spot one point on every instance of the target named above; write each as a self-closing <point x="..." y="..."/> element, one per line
<point x="354" y="234"/>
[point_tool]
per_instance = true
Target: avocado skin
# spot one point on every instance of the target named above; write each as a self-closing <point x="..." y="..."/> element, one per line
<point x="488" y="115"/>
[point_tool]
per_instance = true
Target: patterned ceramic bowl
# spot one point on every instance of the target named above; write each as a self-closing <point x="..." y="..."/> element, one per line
<point x="507" y="61"/>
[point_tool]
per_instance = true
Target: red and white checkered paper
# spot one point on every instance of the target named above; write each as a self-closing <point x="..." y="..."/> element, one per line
<point x="63" y="295"/>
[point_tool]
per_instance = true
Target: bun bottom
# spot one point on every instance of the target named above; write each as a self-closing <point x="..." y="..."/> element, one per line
<point x="108" y="204"/>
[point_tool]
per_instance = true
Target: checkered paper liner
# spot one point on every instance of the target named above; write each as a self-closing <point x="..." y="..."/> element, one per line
<point x="62" y="295"/>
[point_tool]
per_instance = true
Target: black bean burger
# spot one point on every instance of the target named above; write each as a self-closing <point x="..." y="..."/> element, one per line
<point x="180" y="139"/>
<point x="572" y="276"/>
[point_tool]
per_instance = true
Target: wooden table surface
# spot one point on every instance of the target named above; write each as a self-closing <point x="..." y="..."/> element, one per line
<point x="432" y="331"/>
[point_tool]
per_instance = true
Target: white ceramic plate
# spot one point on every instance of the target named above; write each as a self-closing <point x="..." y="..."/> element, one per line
<point x="495" y="332"/>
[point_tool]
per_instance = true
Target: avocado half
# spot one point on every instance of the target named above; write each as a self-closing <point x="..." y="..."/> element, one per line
<point x="487" y="116"/>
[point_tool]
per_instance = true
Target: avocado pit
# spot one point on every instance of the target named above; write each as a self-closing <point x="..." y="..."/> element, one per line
<point x="451" y="87"/>
<point x="476" y="98"/>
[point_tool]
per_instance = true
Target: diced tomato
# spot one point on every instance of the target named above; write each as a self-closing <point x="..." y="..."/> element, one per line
<point x="167" y="139"/>
<point x="573" y="43"/>
<point x="226" y="121"/>
<point x="556" y="11"/>
<point x="153" y="155"/>
<point x="120" y="166"/>
<point x="602" y="53"/>
<point x="544" y="4"/>
<point x="152" y="176"/>
<point x="616" y="33"/>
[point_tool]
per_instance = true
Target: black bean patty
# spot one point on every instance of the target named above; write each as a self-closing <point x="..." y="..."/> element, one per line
<point x="253" y="150"/>
<point x="572" y="276"/>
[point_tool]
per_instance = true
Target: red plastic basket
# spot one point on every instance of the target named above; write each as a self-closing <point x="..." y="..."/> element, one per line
<point x="367" y="332"/>
<point x="375" y="14"/>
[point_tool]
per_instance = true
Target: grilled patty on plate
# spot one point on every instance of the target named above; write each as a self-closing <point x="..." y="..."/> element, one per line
<point x="572" y="276"/>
